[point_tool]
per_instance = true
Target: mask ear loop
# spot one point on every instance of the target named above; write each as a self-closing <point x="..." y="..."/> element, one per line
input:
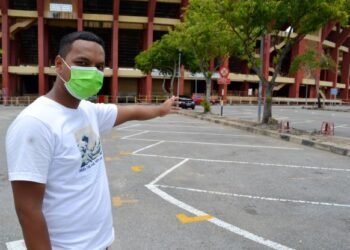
<point x="67" y="67"/>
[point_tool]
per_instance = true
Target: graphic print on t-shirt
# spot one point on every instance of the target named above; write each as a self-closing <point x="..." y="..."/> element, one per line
<point x="90" y="148"/>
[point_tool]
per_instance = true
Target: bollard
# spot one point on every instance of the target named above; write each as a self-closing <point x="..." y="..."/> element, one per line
<point x="284" y="126"/>
<point x="327" y="128"/>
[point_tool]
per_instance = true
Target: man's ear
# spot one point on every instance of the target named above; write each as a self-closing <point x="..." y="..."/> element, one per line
<point x="58" y="64"/>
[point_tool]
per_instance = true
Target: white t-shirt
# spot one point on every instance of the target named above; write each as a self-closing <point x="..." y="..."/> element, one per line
<point x="60" y="147"/>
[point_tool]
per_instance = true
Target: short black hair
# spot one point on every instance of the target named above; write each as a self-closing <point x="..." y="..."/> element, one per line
<point x="67" y="41"/>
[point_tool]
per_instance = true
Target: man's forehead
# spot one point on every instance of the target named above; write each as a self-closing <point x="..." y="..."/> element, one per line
<point x="87" y="48"/>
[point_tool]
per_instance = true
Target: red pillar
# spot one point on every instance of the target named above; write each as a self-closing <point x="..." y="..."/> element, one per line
<point x="148" y="41"/>
<point x="41" y="49"/>
<point x="115" y="54"/>
<point x="182" y="80"/>
<point x="344" y="93"/>
<point x="324" y="33"/>
<point x="80" y="14"/>
<point x="5" y="50"/>
<point x="245" y="70"/>
<point x="332" y="73"/>
<point x="298" y="49"/>
<point x="13" y="61"/>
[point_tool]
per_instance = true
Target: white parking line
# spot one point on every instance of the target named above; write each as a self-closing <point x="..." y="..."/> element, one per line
<point x="181" y="126"/>
<point x="245" y="163"/>
<point x="175" y="122"/>
<point x="131" y="126"/>
<point x="256" y="197"/>
<point x="341" y="126"/>
<point x="191" y="133"/>
<point x="149" y="146"/>
<point x="140" y="133"/>
<point x="281" y="117"/>
<point x="260" y="240"/>
<point x="217" y="144"/>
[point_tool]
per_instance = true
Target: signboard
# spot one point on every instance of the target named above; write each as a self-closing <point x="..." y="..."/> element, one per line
<point x="224" y="81"/>
<point x="60" y="7"/>
<point x="334" y="91"/>
<point x="224" y="76"/>
<point x="250" y="92"/>
<point x="224" y="72"/>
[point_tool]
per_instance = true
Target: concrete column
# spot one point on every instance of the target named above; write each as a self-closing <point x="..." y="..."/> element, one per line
<point x="182" y="80"/>
<point x="245" y="70"/>
<point x="5" y="50"/>
<point x="115" y="51"/>
<point x="146" y="89"/>
<point x="332" y="73"/>
<point x="344" y="93"/>
<point x="80" y="25"/>
<point x="298" y="49"/>
<point x="41" y="47"/>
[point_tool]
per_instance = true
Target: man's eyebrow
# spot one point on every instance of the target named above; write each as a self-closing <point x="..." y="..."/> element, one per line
<point x="82" y="59"/>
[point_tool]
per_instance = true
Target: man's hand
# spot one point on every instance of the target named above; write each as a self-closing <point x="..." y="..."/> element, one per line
<point x="169" y="106"/>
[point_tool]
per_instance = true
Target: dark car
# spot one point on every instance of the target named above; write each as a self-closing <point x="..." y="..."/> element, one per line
<point x="186" y="102"/>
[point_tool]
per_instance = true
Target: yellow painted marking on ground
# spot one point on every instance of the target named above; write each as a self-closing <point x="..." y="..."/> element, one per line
<point x="111" y="158"/>
<point x="117" y="201"/>
<point x="124" y="153"/>
<point x="185" y="219"/>
<point x="136" y="168"/>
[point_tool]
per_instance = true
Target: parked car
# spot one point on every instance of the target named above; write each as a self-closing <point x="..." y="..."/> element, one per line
<point x="186" y="102"/>
<point x="198" y="98"/>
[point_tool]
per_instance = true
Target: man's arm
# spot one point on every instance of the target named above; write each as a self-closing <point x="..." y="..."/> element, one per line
<point x="139" y="112"/>
<point x="28" y="197"/>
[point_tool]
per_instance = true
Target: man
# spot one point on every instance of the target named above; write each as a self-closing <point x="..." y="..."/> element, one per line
<point x="55" y="157"/>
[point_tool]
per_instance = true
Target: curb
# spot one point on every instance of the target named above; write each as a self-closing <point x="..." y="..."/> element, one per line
<point x="247" y="126"/>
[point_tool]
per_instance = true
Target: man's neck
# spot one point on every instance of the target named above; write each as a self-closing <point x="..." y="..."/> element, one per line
<point x="61" y="95"/>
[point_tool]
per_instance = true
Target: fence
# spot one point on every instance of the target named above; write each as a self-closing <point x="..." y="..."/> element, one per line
<point x="26" y="100"/>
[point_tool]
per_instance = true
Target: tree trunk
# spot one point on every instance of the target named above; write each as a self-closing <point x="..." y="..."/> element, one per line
<point x="208" y="89"/>
<point x="268" y="104"/>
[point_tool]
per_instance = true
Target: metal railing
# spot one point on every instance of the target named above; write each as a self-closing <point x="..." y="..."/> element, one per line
<point x="157" y="99"/>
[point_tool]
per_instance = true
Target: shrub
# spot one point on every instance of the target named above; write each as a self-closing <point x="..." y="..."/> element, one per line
<point x="206" y="105"/>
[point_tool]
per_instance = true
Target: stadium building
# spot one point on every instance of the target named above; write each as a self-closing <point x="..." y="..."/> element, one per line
<point x="31" y="30"/>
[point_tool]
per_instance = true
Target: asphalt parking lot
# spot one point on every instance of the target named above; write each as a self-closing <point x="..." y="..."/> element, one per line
<point x="181" y="183"/>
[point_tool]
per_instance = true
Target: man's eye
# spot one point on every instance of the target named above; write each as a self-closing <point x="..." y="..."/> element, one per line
<point x="100" y="68"/>
<point x="81" y="64"/>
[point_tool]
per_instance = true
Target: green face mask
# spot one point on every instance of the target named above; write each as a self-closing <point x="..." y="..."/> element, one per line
<point x="84" y="82"/>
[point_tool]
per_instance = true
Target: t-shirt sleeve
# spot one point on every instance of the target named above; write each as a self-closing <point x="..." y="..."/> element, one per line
<point x="29" y="149"/>
<point x="106" y="116"/>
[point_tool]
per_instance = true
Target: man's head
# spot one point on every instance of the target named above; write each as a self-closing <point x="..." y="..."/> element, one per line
<point x="67" y="41"/>
<point x="83" y="49"/>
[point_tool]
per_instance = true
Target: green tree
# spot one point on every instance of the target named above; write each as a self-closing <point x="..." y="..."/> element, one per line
<point x="310" y="62"/>
<point x="164" y="56"/>
<point x="287" y="21"/>
<point x="206" y="35"/>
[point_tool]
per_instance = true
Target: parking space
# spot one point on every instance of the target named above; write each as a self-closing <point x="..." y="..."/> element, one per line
<point x="181" y="183"/>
